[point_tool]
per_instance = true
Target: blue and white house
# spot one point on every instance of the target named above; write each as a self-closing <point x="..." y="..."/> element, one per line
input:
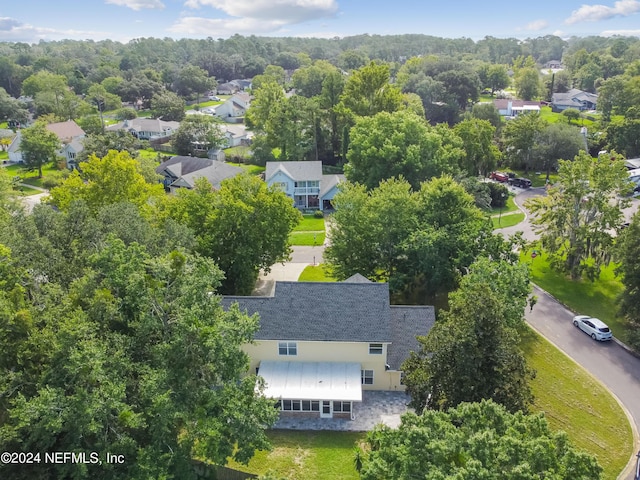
<point x="304" y="183"/>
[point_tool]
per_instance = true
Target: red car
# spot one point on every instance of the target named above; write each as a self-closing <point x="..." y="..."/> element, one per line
<point x="499" y="176"/>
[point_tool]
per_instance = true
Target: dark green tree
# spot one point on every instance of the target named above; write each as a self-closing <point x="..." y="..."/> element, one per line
<point x="627" y="253"/>
<point x="473" y="440"/>
<point x="168" y="106"/>
<point x="197" y="134"/>
<point x="38" y="146"/>
<point x="472" y="353"/>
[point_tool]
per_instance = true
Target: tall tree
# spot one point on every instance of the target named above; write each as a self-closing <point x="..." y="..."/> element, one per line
<point x="38" y="146"/>
<point x="474" y="440"/>
<point x="520" y="138"/>
<point x="527" y="83"/>
<point x="137" y="359"/>
<point x="472" y="353"/>
<point x="114" y="178"/>
<point x="168" y="106"/>
<point x="397" y="144"/>
<point x="576" y="218"/>
<point x="197" y="132"/>
<point x="556" y="141"/>
<point x="628" y="254"/>
<point x="367" y="91"/>
<point x="481" y="152"/>
<point x="244" y="227"/>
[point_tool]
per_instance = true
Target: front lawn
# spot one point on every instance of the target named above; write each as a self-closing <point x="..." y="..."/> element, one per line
<point x="310" y="223"/>
<point x="316" y="273"/>
<point x="303" y="455"/>
<point x="557" y="117"/>
<point x="508" y="220"/>
<point x="597" y="299"/>
<point x="250" y="169"/>
<point x="30" y="177"/>
<point x="509" y="207"/>
<point x="309" y="239"/>
<point x="4" y="155"/>
<point x="575" y="402"/>
<point x="24" y="191"/>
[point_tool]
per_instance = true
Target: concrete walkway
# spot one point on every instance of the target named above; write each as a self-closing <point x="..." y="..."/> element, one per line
<point x="376" y="407"/>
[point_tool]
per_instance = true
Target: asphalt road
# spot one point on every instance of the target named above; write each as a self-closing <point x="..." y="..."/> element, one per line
<point x="616" y="368"/>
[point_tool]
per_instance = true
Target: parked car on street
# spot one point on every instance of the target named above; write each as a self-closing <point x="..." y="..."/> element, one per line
<point x="520" y="182"/>
<point x="595" y="328"/>
<point x="215" y="98"/>
<point x="499" y="176"/>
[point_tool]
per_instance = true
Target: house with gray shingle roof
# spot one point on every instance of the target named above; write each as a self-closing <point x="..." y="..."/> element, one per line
<point x="146" y="128"/>
<point x="182" y="172"/>
<point x="70" y="135"/>
<point x="304" y="183"/>
<point x="574" y="98"/>
<point x="320" y="344"/>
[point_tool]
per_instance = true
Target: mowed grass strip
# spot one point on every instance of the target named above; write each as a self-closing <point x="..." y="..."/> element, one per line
<point x="317" y="273"/>
<point x="309" y="223"/>
<point x="508" y="220"/>
<point x="577" y="403"/>
<point x="597" y="299"/>
<point x="306" y="238"/>
<point x="303" y="455"/>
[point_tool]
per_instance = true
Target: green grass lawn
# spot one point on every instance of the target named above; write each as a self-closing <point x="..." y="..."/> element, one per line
<point x="317" y="273"/>
<point x="24" y="191"/>
<point x="30" y="177"/>
<point x="557" y="117"/>
<point x="306" y="238"/>
<point x="310" y="224"/>
<point x="250" y="169"/>
<point x="4" y="155"/>
<point x="597" y="299"/>
<point x="508" y="220"/>
<point x="509" y="207"/>
<point x="303" y="455"/>
<point x="575" y="402"/>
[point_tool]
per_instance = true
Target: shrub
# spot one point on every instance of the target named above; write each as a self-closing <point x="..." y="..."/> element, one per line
<point x="54" y="179"/>
<point x="318" y="214"/>
<point x="499" y="194"/>
<point x="126" y="113"/>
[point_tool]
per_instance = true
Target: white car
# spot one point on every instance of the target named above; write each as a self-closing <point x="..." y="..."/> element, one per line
<point x="593" y="327"/>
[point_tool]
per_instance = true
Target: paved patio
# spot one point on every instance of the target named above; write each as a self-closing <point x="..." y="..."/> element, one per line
<point x="376" y="407"/>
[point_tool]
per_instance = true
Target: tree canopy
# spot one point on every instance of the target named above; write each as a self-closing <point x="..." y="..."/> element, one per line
<point x="38" y="146"/>
<point x="474" y="440"/>
<point x="576" y="218"/>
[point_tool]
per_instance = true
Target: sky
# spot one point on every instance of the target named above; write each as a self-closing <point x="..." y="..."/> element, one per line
<point x="122" y="20"/>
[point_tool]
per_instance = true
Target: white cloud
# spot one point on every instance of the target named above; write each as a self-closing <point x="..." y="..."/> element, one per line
<point x="252" y="16"/>
<point x="138" y="4"/>
<point x="623" y="33"/>
<point x="220" y="28"/>
<point x="537" y="25"/>
<point x="593" y="13"/>
<point x="12" y="30"/>
<point x="291" y="11"/>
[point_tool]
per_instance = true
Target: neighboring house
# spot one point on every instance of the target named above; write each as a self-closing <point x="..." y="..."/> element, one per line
<point x="553" y="65"/>
<point x="234" y="107"/>
<point x="304" y="183"/>
<point x="319" y="345"/>
<point x="226" y="89"/>
<point x="237" y="134"/>
<point x="70" y="135"/>
<point x="182" y="172"/>
<point x="574" y="98"/>
<point x="632" y="163"/>
<point x="146" y="128"/>
<point x="242" y="84"/>
<point x="513" y="108"/>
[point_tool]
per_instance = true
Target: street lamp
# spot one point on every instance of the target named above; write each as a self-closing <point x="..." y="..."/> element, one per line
<point x="501" y="205"/>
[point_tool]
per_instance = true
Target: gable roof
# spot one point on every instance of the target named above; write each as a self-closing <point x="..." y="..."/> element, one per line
<point x="330" y="181"/>
<point x="66" y="131"/>
<point x="297" y="171"/>
<point x="145" y="125"/>
<point x="574" y="97"/>
<point x="407" y="322"/>
<point x="188" y="169"/>
<point x="316" y="311"/>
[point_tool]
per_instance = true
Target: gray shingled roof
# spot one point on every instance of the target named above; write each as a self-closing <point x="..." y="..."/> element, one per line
<point x="300" y="171"/>
<point x="330" y="181"/>
<point x="407" y="322"/>
<point x="357" y="278"/>
<point x="316" y="311"/>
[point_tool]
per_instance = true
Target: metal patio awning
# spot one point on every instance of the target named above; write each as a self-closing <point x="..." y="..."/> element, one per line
<point x="339" y="381"/>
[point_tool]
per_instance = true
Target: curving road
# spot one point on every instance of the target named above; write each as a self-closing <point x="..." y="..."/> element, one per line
<point x="609" y="362"/>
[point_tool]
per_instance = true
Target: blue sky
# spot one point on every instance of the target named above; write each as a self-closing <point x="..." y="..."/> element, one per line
<point x="123" y="20"/>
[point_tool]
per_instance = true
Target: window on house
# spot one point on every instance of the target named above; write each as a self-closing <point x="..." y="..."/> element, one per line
<point x="301" y="405"/>
<point x="401" y="378"/>
<point x="287" y="348"/>
<point x="366" y="377"/>
<point x="375" y="349"/>
<point x="342" y="407"/>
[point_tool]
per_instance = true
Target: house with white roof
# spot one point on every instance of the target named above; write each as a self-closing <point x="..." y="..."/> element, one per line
<point x="304" y="183"/>
<point x="319" y="345"/>
<point x="146" y="128"/>
<point x="234" y="107"/>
